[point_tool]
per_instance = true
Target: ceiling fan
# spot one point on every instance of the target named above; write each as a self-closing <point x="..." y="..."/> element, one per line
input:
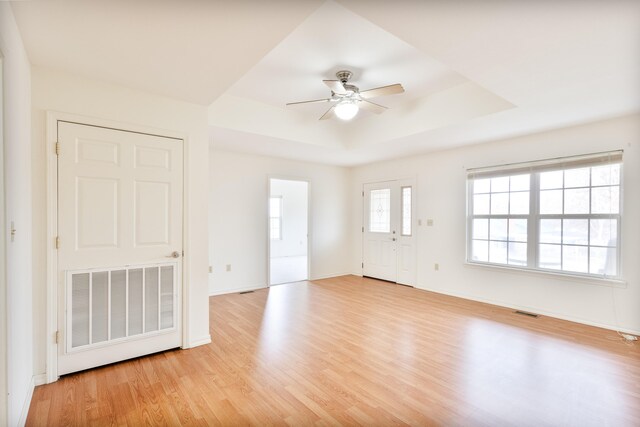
<point x="347" y="99"/>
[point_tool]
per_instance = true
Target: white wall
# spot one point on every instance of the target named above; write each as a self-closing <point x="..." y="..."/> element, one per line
<point x="17" y="168"/>
<point x="441" y="197"/>
<point x="294" y="218"/>
<point x="238" y="218"/>
<point x="72" y="94"/>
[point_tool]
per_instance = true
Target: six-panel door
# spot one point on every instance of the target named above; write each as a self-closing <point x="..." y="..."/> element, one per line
<point x="120" y="225"/>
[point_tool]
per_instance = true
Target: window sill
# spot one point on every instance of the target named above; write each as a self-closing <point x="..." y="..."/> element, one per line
<point x="616" y="283"/>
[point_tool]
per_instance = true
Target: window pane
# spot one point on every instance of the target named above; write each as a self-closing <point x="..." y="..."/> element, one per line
<point x="480" y="228"/>
<point x="603" y="261"/>
<point x="481" y="204"/>
<point x="517" y="253"/>
<point x="605" y="175"/>
<point x="480" y="250"/>
<point x="518" y="230"/>
<point x="481" y="185"/>
<point x="575" y="231"/>
<point x="550" y="231"/>
<point x="574" y="258"/>
<point x="499" y="204"/>
<point x="576" y="178"/>
<point x="605" y="200"/>
<point x="498" y="229"/>
<point x="550" y="180"/>
<point x="576" y="201"/>
<point x="520" y="182"/>
<point x="498" y="252"/>
<point x="551" y="202"/>
<point x="380" y="211"/>
<point x="406" y="211"/>
<point x="275" y="228"/>
<point x="604" y="232"/>
<point x="550" y="257"/>
<point x="500" y="184"/>
<point x="519" y="204"/>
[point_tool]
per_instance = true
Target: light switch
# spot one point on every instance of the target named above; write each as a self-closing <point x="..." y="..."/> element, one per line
<point x="429" y="223"/>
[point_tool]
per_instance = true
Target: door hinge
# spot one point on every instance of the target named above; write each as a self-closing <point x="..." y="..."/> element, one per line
<point x="57" y="337"/>
<point x="57" y="242"/>
<point x="363" y="265"/>
<point x="363" y="194"/>
<point x="363" y="229"/>
<point x="57" y="148"/>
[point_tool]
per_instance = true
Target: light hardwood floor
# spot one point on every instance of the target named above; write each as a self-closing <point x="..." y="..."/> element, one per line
<point x="350" y="350"/>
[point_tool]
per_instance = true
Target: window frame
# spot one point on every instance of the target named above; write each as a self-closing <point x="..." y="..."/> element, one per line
<point x="534" y="217"/>
<point x="271" y="218"/>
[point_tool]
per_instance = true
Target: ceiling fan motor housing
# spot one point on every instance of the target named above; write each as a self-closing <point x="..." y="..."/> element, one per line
<point x="344" y="75"/>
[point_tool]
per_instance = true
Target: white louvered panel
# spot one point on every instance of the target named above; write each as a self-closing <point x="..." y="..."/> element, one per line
<point x="120" y="303"/>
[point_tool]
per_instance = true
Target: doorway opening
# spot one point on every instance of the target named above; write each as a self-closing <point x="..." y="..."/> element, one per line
<point x="288" y="231"/>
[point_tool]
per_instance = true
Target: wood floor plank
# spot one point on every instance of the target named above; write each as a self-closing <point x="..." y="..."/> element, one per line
<point x="351" y="350"/>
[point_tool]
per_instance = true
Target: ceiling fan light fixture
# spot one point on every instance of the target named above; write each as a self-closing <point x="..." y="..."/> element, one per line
<point x="346" y="110"/>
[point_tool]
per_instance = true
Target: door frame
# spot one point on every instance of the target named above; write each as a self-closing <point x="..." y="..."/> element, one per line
<point x="414" y="220"/>
<point x="309" y="234"/>
<point x="53" y="117"/>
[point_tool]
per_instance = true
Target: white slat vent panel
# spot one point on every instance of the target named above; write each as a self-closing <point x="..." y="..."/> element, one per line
<point x="118" y="304"/>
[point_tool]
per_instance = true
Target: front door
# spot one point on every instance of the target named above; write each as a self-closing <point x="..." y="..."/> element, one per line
<point x="120" y="225"/>
<point x="389" y="231"/>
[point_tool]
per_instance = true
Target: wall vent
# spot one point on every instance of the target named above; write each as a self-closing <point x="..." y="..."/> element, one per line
<point x="525" y="313"/>
<point x="245" y="292"/>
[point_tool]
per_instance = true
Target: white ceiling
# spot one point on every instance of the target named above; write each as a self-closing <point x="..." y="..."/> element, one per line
<point x="473" y="70"/>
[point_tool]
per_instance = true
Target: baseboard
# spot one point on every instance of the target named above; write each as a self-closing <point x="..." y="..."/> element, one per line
<point x="27" y="402"/>
<point x="201" y="341"/>
<point x="39" y="379"/>
<point x="331" y="276"/>
<point x="533" y="310"/>
<point x="235" y="290"/>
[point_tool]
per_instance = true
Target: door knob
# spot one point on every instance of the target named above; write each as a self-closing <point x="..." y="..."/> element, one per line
<point x="174" y="254"/>
<point x="394" y="239"/>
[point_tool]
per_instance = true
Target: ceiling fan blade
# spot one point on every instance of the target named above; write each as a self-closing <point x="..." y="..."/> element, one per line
<point x="382" y="91"/>
<point x="329" y="114"/>
<point x="372" y="106"/>
<point x="315" y="101"/>
<point x="336" y="86"/>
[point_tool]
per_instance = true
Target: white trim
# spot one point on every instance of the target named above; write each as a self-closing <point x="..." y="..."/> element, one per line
<point x="331" y="276"/>
<point x="588" y="280"/>
<point x="4" y="335"/>
<point x="27" y="402"/>
<point x="200" y="341"/>
<point x="309" y="218"/>
<point x="53" y="117"/>
<point x="236" y="290"/>
<point x="39" y="379"/>
<point x="532" y="310"/>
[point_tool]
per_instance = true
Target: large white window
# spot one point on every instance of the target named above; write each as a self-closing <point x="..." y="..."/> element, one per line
<point x="559" y="215"/>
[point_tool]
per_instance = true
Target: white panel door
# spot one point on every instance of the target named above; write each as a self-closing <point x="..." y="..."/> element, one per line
<point x="389" y="231"/>
<point x="120" y="209"/>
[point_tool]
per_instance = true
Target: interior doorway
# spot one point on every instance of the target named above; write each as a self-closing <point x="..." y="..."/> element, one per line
<point x="288" y="231"/>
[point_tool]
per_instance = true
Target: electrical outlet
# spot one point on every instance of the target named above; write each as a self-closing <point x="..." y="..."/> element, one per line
<point x="228" y="267"/>
<point x="436" y="266"/>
